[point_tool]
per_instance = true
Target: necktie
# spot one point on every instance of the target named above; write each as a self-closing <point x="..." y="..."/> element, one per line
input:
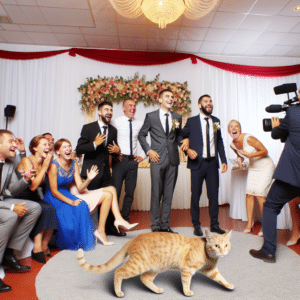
<point x="104" y="131"/>
<point x="167" y="124"/>
<point x="1" y="167"/>
<point x="130" y="135"/>
<point x="207" y="139"/>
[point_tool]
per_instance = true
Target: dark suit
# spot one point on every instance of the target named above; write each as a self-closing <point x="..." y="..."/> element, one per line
<point x="14" y="231"/>
<point x="163" y="173"/>
<point x="202" y="169"/>
<point x="98" y="156"/>
<point x="287" y="176"/>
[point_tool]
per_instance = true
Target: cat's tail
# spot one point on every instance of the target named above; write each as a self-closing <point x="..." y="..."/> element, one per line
<point x="112" y="263"/>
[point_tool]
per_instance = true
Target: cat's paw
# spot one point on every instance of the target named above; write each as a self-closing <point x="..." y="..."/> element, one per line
<point x="188" y="293"/>
<point x="120" y="294"/>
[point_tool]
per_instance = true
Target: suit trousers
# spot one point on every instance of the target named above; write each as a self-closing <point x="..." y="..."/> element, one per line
<point x="280" y="193"/>
<point x="163" y="181"/>
<point x="14" y="231"/>
<point x="126" y="169"/>
<point x="208" y="171"/>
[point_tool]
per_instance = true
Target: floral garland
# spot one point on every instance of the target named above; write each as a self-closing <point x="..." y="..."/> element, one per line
<point x="100" y="89"/>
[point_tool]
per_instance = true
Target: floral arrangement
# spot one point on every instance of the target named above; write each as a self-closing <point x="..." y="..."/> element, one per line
<point x="117" y="89"/>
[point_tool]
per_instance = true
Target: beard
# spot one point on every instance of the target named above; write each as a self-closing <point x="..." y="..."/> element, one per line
<point x="208" y="113"/>
<point x="105" y="120"/>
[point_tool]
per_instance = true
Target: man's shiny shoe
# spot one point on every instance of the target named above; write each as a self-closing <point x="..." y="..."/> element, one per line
<point x="13" y="265"/>
<point x="270" y="258"/>
<point x="217" y="229"/>
<point x="198" y="231"/>
<point x="155" y="230"/>
<point x="168" y="230"/>
<point x="3" y="287"/>
<point x="114" y="231"/>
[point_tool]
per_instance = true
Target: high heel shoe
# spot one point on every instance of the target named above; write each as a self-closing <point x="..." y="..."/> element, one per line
<point x="248" y="230"/>
<point x="98" y="236"/>
<point x="123" y="224"/>
<point x="292" y="243"/>
<point x="40" y="257"/>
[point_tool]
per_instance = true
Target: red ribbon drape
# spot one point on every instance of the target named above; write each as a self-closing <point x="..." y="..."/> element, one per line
<point x="142" y="58"/>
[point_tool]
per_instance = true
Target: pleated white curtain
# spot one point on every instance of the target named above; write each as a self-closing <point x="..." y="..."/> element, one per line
<point x="47" y="100"/>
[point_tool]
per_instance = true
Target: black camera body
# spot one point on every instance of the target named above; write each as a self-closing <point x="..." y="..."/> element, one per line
<point x="281" y="89"/>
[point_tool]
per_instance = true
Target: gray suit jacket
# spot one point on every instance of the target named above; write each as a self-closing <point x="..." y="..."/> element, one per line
<point x="164" y="145"/>
<point x="10" y="185"/>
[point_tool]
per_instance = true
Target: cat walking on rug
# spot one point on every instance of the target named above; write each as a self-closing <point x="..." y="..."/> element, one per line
<point x="154" y="252"/>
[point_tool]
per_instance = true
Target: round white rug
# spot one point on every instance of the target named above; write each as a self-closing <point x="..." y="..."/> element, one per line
<point x="63" y="278"/>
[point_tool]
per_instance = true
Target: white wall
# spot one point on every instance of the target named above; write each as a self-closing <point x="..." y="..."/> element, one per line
<point x="47" y="100"/>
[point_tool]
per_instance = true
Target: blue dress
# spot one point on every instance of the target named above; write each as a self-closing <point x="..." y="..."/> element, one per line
<point x="75" y="225"/>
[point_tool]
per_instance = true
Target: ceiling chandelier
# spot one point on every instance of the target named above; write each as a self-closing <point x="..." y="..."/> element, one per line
<point x="163" y="12"/>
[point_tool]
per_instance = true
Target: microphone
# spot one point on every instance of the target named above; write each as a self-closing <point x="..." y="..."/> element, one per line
<point x="276" y="108"/>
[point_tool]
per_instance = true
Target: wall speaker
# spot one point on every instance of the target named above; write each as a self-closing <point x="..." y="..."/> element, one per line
<point x="9" y="111"/>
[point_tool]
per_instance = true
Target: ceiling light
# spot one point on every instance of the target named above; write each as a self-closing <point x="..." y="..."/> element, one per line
<point x="164" y="12"/>
<point x="297" y="8"/>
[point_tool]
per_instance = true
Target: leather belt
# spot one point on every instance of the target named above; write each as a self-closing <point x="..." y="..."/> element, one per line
<point x="209" y="159"/>
<point x="128" y="156"/>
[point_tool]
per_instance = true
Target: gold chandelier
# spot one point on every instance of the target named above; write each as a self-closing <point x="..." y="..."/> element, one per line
<point x="163" y="12"/>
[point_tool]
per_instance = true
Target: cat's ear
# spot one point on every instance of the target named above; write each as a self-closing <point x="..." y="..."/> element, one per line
<point x="208" y="235"/>
<point x="228" y="234"/>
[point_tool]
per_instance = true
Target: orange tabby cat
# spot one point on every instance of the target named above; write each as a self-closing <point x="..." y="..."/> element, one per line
<point x="154" y="252"/>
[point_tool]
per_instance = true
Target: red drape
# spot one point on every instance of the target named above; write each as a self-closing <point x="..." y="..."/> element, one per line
<point x="142" y="58"/>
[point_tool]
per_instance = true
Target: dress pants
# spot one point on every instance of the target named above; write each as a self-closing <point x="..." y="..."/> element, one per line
<point x="14" y="231"/>
<point x="163" y="181"/>
<point x="279" y="194"/>
<point x="208" y="171"/>
<point x="126" y="169"/>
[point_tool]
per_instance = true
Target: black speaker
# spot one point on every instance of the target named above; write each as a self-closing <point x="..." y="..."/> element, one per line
<point x="9" y="111"/>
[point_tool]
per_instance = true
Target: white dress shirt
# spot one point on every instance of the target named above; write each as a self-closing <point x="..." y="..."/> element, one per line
<point x="162" y="117"/>
<point x="101" y="124"/>
<point x="122" y="125"/>
<point x="211" y="135"/>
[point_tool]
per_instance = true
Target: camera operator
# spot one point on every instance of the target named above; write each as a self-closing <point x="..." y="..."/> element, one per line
<point x="287" y="180"/>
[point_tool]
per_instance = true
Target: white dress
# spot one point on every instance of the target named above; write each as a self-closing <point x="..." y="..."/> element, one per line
<point x="90" y="197"/>
<point x="260" y="170"/>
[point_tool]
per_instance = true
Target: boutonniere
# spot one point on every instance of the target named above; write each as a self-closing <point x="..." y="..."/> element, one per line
<point x="216" y="126"/>
<point x="175" y="124"/>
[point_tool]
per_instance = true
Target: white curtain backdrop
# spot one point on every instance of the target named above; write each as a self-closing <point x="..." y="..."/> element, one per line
<point x="47" y="100"/>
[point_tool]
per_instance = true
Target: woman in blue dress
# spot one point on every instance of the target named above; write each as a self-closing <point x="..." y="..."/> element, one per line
<point x="75" y="226"/>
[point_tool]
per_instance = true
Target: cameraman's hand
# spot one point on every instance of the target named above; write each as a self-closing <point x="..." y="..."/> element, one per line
<point x="275" y="122"/>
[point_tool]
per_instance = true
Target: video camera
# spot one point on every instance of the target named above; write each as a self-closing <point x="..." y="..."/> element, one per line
<point x="281" y="89"/>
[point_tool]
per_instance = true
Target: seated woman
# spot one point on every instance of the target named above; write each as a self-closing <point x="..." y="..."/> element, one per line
<point x="295" y="214"/>
<point x="40" y="160"/>
<point x="260" y="172"/>
<point x="75" y="226"/>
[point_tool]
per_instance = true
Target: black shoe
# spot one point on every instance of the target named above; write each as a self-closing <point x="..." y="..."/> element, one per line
<point x="3" y="287"/>
<point x="155" y="230"/>
<point x="270" y="258"/>
<point x="198" y="231"/>
<point x="114" y="231"/>
<point x="168" y="230"/>
<point x="217" y="229"/>
<point x="40" y="257"/>
<point x="13" y="265"/>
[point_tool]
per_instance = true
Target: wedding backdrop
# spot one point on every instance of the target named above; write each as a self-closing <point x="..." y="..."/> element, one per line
<point x="44" y="88"/>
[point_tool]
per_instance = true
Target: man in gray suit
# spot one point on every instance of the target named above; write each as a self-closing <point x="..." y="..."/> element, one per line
<point x="17" y="217"/>
<point x="164" y="127"/>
